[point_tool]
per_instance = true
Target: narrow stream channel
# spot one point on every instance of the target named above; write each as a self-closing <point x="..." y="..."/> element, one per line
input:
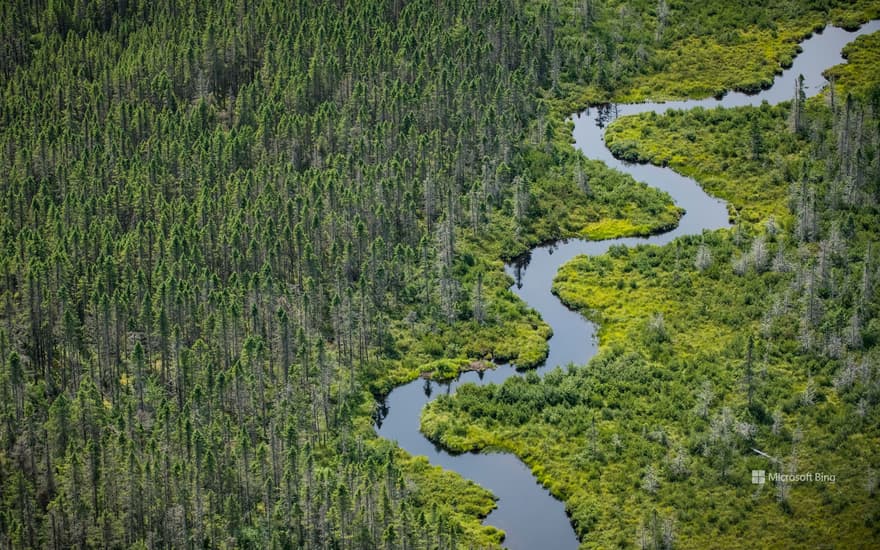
<point x="531" y="517"/>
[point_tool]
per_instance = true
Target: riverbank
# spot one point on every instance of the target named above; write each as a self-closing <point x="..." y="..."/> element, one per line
<point x="679" y="371"/>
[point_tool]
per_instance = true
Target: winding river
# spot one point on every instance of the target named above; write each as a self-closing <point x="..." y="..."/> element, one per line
<point x="526" y="511"/>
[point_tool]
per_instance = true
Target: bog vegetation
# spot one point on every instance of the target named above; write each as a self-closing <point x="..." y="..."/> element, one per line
<point x="762" y="337"/>
<point x="228" y="226"/>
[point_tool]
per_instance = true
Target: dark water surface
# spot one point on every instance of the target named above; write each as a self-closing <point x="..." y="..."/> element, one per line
<point x="526" y="511"/>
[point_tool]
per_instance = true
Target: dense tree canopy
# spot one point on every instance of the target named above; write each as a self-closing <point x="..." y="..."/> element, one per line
<point x="224" y="224"/>
<point x="211" y="212"/>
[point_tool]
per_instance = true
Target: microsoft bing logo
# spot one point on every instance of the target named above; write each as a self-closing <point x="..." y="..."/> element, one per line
<point x="758" y="477"/>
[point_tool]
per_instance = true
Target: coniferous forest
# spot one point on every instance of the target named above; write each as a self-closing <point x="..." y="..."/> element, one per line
<point x="228" y="229"/>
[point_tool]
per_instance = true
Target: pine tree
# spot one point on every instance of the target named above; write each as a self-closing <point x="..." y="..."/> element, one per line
<point x="797" y="117"/>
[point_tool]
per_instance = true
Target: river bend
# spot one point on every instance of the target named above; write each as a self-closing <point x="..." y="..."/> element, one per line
<point x="526" y="511"/>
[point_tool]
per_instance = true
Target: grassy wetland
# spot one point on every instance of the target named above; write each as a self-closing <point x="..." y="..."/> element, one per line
<point x="228" y="228"/>
<point x="758" y="337"/>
